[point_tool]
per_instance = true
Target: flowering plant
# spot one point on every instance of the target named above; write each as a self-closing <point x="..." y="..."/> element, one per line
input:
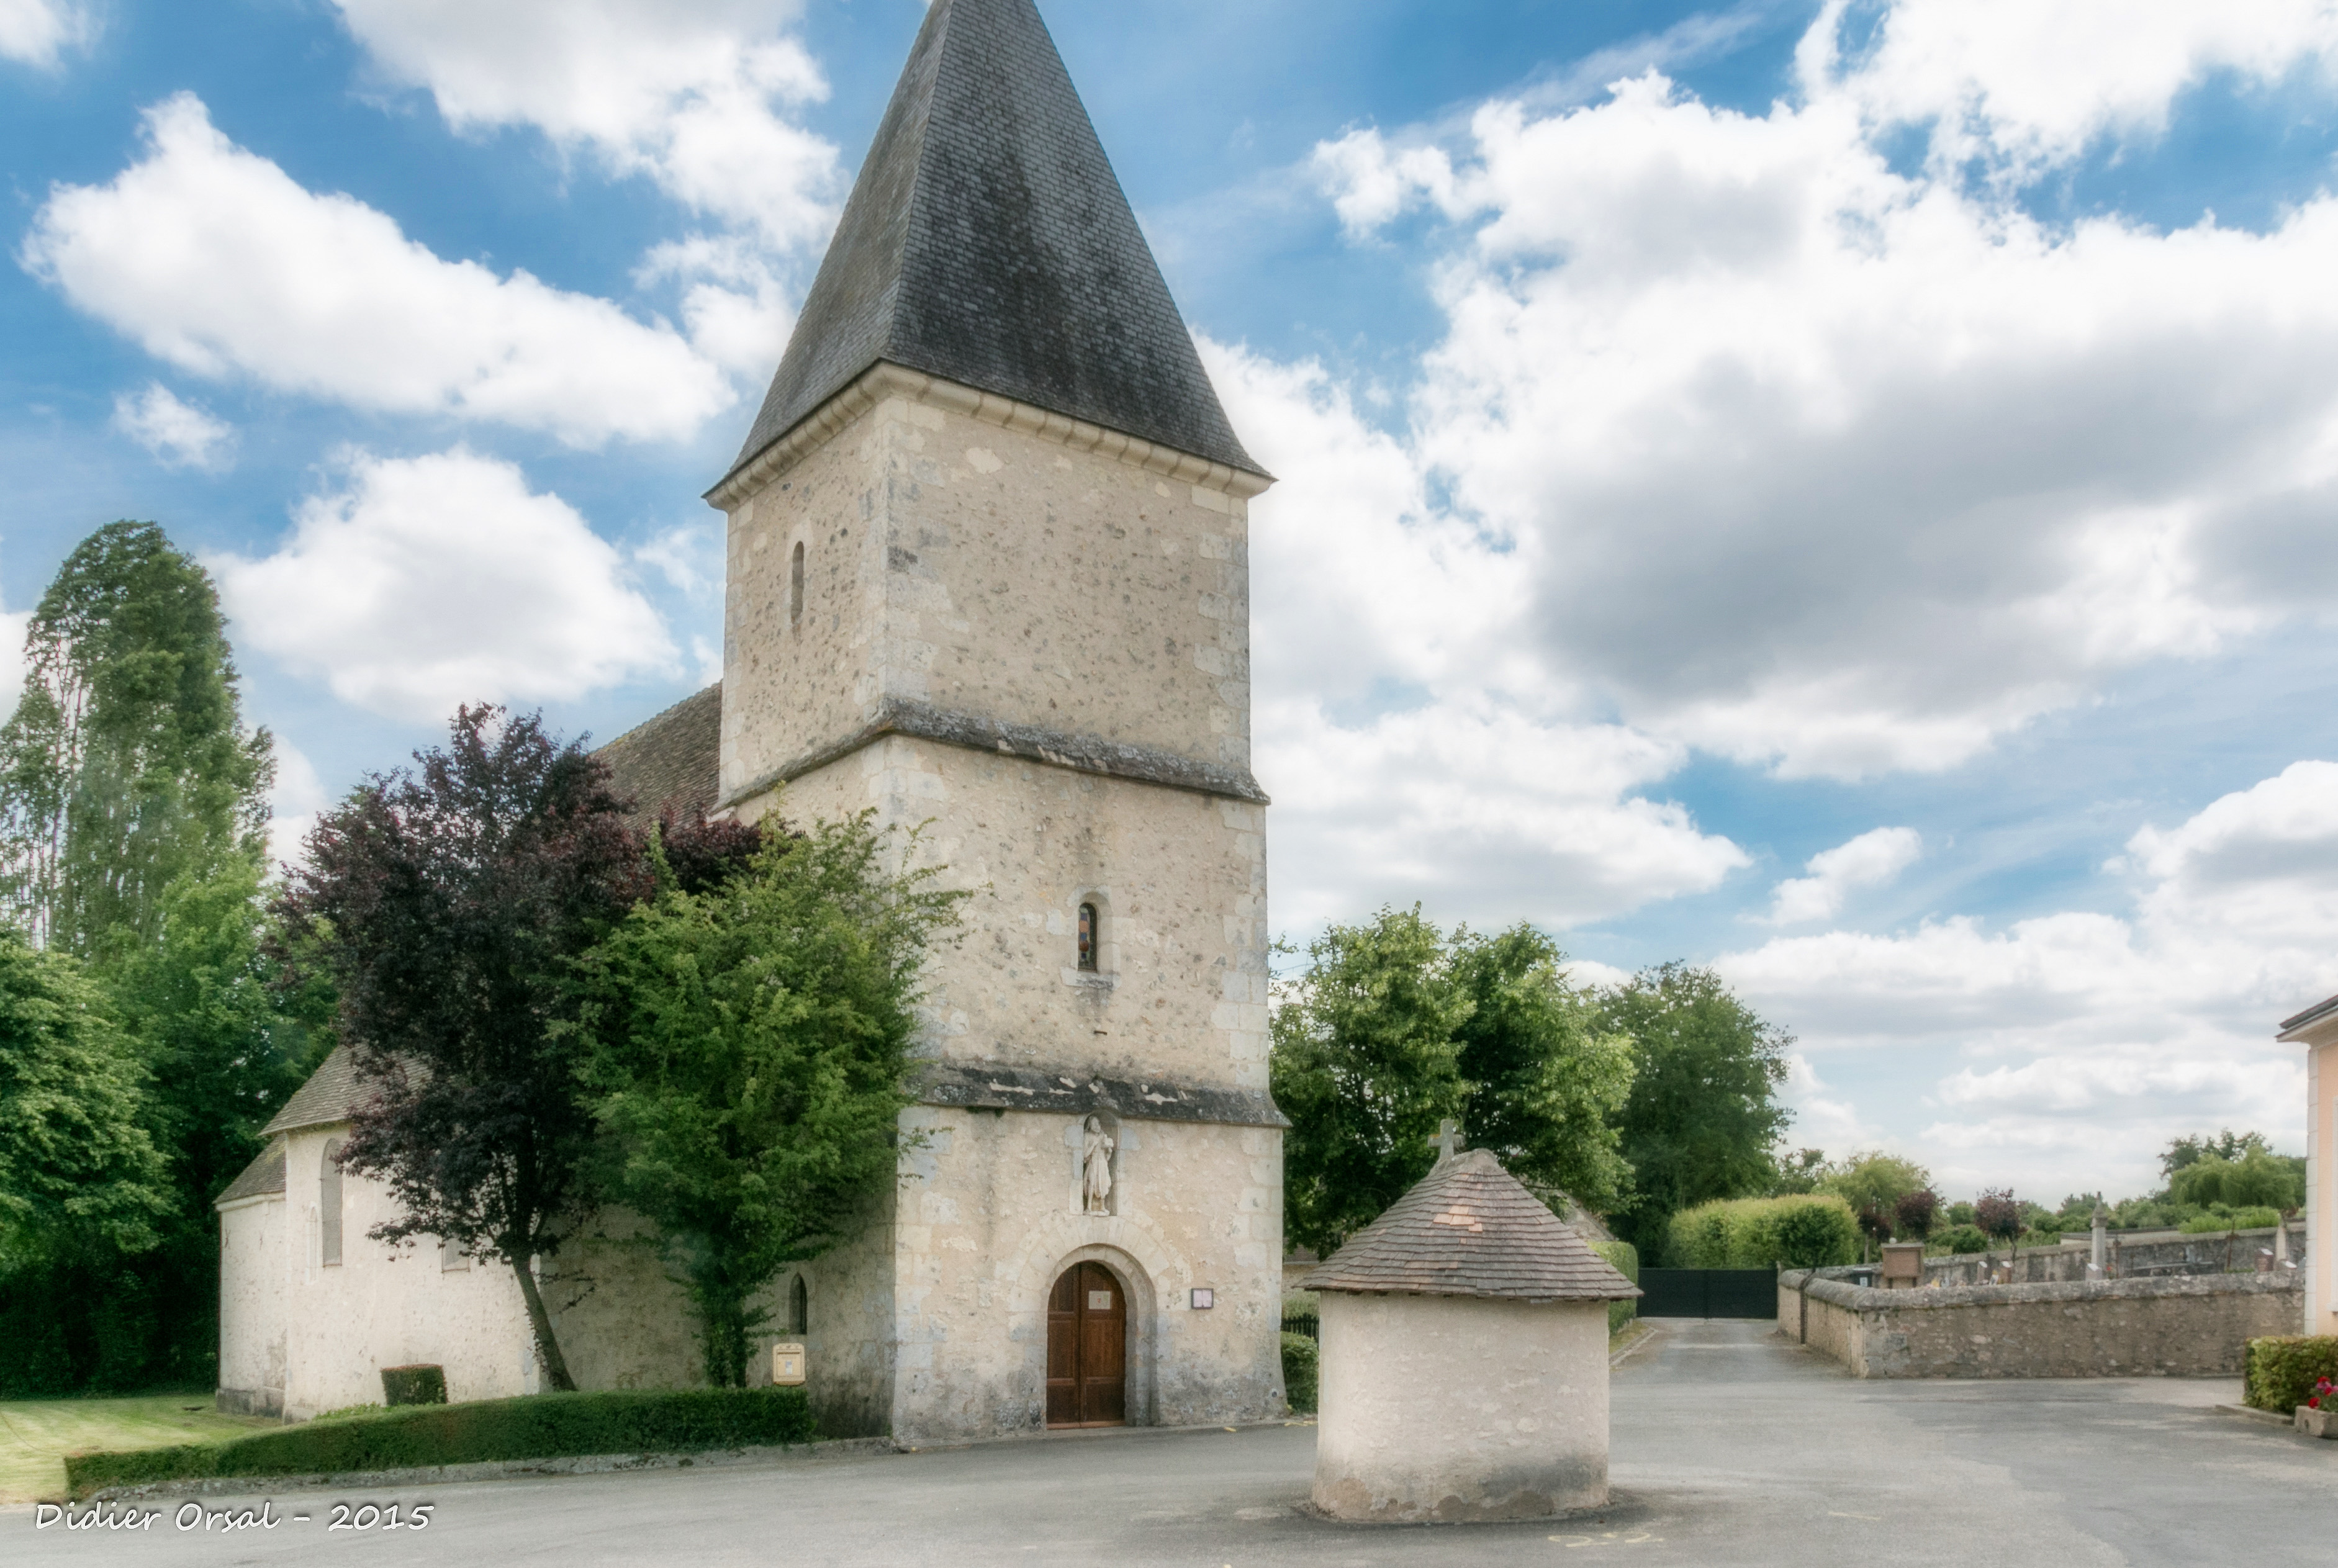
<point x="2323" y="1389"/>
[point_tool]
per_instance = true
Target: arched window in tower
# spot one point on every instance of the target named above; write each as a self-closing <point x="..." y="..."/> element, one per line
<point x="328" y="1205"/>
<point x="798" y="1307"/>
<point x="1088" y="935"/>
<point x="795" y="584"/>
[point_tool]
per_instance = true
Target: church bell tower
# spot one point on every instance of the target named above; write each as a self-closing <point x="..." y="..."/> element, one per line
<point x="987" y="572"/>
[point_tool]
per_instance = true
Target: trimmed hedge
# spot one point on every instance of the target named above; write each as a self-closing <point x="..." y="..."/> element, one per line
<point x="1806" y="1230"/>
<point x="534" y="1426"/>
<point x="1301" y="1364"/>
<point x="2281" y="1371"/>
<point x="1625" y="1258"/>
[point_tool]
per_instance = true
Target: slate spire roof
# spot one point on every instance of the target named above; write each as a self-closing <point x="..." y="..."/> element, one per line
<point x="1468" y="1229"/>
<point x="987" y="243"/>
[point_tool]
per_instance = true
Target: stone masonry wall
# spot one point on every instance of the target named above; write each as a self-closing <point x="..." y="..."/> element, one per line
<point x="984" y="569"/>
<point x="2166" y="1327"/>
<point x="989" y="1219"/>
<point x="1178" y="878"/>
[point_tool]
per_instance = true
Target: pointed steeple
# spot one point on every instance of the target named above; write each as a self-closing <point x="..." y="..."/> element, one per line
<point x="987" y="243"/>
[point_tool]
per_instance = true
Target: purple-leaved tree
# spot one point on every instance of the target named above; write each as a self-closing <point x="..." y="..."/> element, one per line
<point x="448" y="905"/>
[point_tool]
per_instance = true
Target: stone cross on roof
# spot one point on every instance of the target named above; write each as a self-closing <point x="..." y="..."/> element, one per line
<point x="987" y="243"/>
<point x="1447" y="1140"/>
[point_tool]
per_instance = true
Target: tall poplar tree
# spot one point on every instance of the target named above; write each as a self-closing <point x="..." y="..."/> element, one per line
<point x="133" y="804"/>
<point x="126" y="764"/>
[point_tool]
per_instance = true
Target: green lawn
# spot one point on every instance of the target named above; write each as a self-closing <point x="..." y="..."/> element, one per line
<point x="35" y="1435"/>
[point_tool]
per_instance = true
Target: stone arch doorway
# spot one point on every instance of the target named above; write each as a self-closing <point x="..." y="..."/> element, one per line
<point x="1087" y="1349"/>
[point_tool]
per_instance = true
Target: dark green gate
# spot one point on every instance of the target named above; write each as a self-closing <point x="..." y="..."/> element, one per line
<point x="1708" y="1293"/>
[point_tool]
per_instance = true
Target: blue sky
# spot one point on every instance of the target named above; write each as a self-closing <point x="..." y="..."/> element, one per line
<point x="1838" y="492"/>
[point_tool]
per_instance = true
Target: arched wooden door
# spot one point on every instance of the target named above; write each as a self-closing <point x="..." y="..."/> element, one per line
<point x="1087" y="1349"/>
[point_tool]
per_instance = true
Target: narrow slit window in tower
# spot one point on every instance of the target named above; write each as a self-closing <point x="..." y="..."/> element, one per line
<point x="1088" y="937"/>
<point x="795" y="584"/>
<point x="798" y="1307"/>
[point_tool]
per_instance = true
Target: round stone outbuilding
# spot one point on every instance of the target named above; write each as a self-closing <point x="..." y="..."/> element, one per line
<point x="1464" y="1357"/>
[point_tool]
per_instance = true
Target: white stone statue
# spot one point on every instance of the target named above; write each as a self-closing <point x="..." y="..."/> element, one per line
<point x="1096" y="1166"/>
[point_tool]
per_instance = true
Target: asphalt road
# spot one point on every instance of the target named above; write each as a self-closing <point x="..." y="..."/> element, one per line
<point x="1730" y="1446"/>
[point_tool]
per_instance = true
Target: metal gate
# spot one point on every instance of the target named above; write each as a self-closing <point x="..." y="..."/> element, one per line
<point x="1708" y="1293"/>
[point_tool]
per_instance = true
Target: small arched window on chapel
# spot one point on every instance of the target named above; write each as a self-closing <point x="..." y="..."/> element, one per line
<point x="1088" y="938"/>
<point x="795" y="584"/>
<point x="798" y="1307"/>
<point x="328" y="1206"/>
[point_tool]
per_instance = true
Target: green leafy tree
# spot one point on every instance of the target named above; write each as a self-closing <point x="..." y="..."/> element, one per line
<point x="748" y="1049"/>
<point x="1799" y="1172"/>
<point x="129" y="785"/>
<point x="1875" y="1184"/>
<point x="2257" y="1179"/>
<point x="2226" y="1145"/>
<point x="126" y="764"/>
<point x="76" y="1164"/>
<point x="1365" y="1064"/>
<point x="1704" y="1111"/>
<point x="81" y="1187"/>
<point x="224" y="1045"/>
<point x="1392" y="1027"/>
<point x="1542" y="1079"/>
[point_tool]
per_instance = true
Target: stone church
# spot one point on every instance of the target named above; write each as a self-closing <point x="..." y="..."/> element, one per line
<point x="987" y="572"/>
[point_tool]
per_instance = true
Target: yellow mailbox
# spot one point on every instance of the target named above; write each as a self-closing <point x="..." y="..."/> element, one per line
<point x="787" y="1365"/>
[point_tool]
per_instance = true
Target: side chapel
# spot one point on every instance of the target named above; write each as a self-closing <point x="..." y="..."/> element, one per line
<point x="987" y="572"/>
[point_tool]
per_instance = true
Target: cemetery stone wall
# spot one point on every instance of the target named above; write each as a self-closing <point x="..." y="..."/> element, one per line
<point x="2176" y="1326"/>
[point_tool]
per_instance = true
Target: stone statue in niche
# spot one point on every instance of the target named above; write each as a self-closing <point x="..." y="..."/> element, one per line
<point x="1095" y="1168"/>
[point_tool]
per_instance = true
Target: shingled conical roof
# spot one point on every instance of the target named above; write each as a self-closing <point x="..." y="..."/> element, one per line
<point x="987" y="243"/>
<point x="1468" y="1229"/>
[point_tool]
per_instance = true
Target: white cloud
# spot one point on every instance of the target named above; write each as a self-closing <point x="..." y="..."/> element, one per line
<point x="39" y="32"/>
<point x="1486" y="816"/>
<point x="216" y="260"/>
<point x="2025" y="86"/>
<point x="688" y="556"/>
<point x="1822" y="1118"/>
<point x="1903" y="467"/>
<point x="293" y="803"/>
<point x="427" y="582"/>
<point x="693" y="96"/>
<point x="1404" y="762"/>
<point x="738" y="314"/>
<point x="181" y="434"/>
<point x="2077" y="1044"/>
<point x="1871" y="860"/>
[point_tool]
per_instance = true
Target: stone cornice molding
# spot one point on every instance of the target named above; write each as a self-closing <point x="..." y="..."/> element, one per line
<point x="884" y="380"/>
<point x="1055" y="747"/>
<point x="1067" y="1091"/>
